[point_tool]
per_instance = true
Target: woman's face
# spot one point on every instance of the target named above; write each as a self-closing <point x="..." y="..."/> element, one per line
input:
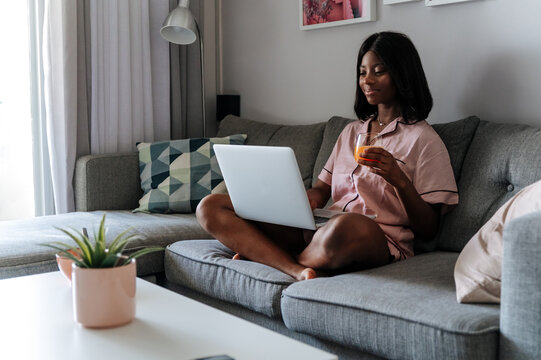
<point x="375" y="81"/>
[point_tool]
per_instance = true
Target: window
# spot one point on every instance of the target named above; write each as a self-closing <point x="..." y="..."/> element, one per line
<point x="16" y="174"/>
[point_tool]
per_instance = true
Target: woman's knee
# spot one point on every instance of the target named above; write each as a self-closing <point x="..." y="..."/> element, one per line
<point x="335" y="235"/>
<point x="352" y="233"/>
<point x="348" y="226"/>
<point x="208" y="209"/>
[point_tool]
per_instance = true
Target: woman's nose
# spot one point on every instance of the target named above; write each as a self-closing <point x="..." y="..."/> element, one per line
<point x="369" y="79"/>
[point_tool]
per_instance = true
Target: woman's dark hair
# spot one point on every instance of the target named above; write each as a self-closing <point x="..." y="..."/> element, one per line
<point x="404" y="66"/>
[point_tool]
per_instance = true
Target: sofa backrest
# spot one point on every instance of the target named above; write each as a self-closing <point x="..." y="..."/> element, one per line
<point x="305" y="140"/>
<point x="457" y="137"/>
<point x="501" y="160"/>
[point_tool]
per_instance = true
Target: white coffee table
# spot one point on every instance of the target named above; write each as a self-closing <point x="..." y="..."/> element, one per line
<point x="36" y="322"/>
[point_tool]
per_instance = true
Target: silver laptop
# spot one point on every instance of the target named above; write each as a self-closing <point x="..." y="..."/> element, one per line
<point x="265" y="184"/>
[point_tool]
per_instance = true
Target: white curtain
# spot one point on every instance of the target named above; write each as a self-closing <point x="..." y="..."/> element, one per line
<point x="43" y="194"/>
<point x="128" y="68"/>
<point x="60" y="95"/>
<point x="123" y="103"/>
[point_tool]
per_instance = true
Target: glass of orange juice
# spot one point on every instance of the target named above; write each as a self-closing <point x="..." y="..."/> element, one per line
<point x="366" y="140"/>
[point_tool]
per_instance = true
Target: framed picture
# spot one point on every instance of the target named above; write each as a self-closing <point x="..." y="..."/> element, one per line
<point x="316" y="14"/>
<point x="391" y="2"/>
<point x="442" y="2"/>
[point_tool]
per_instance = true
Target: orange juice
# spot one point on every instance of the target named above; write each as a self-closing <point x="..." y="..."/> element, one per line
<point x="360" y="149"/>
<point x="364" y="141"/>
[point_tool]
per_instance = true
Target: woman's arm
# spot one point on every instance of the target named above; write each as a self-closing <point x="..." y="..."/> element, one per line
<point x="423" y="217"/>
<point x="319" y="194"/>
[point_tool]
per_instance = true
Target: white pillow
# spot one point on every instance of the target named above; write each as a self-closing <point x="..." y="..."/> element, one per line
<point x="478" y="270"/>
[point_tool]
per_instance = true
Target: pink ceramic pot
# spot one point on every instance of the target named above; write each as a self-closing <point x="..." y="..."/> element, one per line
<point x="104" y="297"/>
<point x="64" y="264"/>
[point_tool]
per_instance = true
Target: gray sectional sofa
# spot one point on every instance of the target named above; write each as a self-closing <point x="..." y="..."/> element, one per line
<point x="406" y="310"/>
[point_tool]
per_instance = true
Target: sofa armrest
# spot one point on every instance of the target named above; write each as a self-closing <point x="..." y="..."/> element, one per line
<point x="107" y="182"/>
<point x="520" y="318"/>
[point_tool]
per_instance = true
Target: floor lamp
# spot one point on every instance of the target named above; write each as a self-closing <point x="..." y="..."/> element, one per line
<point x="181" y="28"/>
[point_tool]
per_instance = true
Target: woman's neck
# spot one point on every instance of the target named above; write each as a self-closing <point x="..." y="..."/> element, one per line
<point x="386" y="114"/>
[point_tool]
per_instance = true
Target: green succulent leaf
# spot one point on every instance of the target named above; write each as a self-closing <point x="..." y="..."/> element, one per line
<point x="120" y="242"/>
<point x="82" y="243"/>
<point x="109" y="261"/>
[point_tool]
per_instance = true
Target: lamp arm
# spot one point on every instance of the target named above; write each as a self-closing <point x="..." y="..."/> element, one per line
<point x="202" y="80"/>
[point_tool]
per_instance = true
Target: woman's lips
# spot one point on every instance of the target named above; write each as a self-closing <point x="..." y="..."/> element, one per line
<point x="369" y="92"/>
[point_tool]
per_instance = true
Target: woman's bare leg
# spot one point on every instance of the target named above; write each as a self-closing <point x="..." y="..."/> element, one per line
<point x="216" y="215"/>
<point x="349" y="239"/>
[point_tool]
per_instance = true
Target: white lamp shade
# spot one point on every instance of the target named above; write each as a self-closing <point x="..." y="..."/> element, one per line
<point x="179" y="27"/>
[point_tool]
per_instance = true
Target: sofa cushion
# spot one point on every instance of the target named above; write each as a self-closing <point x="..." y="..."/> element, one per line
<point x="259" y="133"/>
<point x="405" y="310"/>
<point x="21" y="252"/>
<point x="305" y="140"/>
<point x="457" y="137"/>
<point x="502" y="159"/>
<point x="177" y="174"/>
<point x="206" y="266"/>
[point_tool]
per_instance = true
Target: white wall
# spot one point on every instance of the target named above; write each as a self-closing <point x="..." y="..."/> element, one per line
<point x="481" y="58"/>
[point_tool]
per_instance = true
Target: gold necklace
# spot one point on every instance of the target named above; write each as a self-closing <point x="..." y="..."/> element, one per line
<point x="381" y="123"/>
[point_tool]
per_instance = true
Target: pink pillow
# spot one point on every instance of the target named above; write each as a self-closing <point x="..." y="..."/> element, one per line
<point x="478" y="270"/>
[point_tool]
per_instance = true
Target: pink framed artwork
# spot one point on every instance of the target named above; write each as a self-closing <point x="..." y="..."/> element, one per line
<point x="392" y="2"/>
<point x="442" y="2"/>
<point x="315" y="14"/>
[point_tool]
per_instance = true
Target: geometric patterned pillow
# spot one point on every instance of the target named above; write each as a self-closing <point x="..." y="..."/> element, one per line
<point x="177" y="174"/>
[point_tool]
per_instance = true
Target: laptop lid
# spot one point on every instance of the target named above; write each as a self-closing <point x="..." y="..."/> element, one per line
<point x="265" y="184"/>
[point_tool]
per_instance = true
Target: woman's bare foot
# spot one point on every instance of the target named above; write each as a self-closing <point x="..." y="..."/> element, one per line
<point x="305" y="274"/>
<point x="308" y="274"/>
<point x="238" y="256"/>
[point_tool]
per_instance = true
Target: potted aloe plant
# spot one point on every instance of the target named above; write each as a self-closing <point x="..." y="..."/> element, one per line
<point x="103" y="279"/>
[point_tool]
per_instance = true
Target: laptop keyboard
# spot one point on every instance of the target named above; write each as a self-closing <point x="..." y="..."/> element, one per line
<point x="320" y="219"/>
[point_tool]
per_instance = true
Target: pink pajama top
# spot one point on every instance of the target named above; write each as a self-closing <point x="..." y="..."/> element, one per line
<point x="421" y="155"/>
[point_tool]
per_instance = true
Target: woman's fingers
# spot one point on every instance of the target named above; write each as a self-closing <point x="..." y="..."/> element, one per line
<point x="379" y="161"/>
<point x="376" y="151"/>
<point x="374" y="157"/>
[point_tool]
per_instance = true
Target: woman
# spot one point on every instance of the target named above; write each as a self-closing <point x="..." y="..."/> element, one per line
<point x="408" y="183"/>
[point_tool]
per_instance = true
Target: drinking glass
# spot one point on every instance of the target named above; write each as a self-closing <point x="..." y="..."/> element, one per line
<point x="366" y="140"/>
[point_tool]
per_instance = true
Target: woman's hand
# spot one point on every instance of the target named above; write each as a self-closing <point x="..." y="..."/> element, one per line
<point x="379" y="161"/>
<point x="423" y="217"/>
<point x="319" y="194"/>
